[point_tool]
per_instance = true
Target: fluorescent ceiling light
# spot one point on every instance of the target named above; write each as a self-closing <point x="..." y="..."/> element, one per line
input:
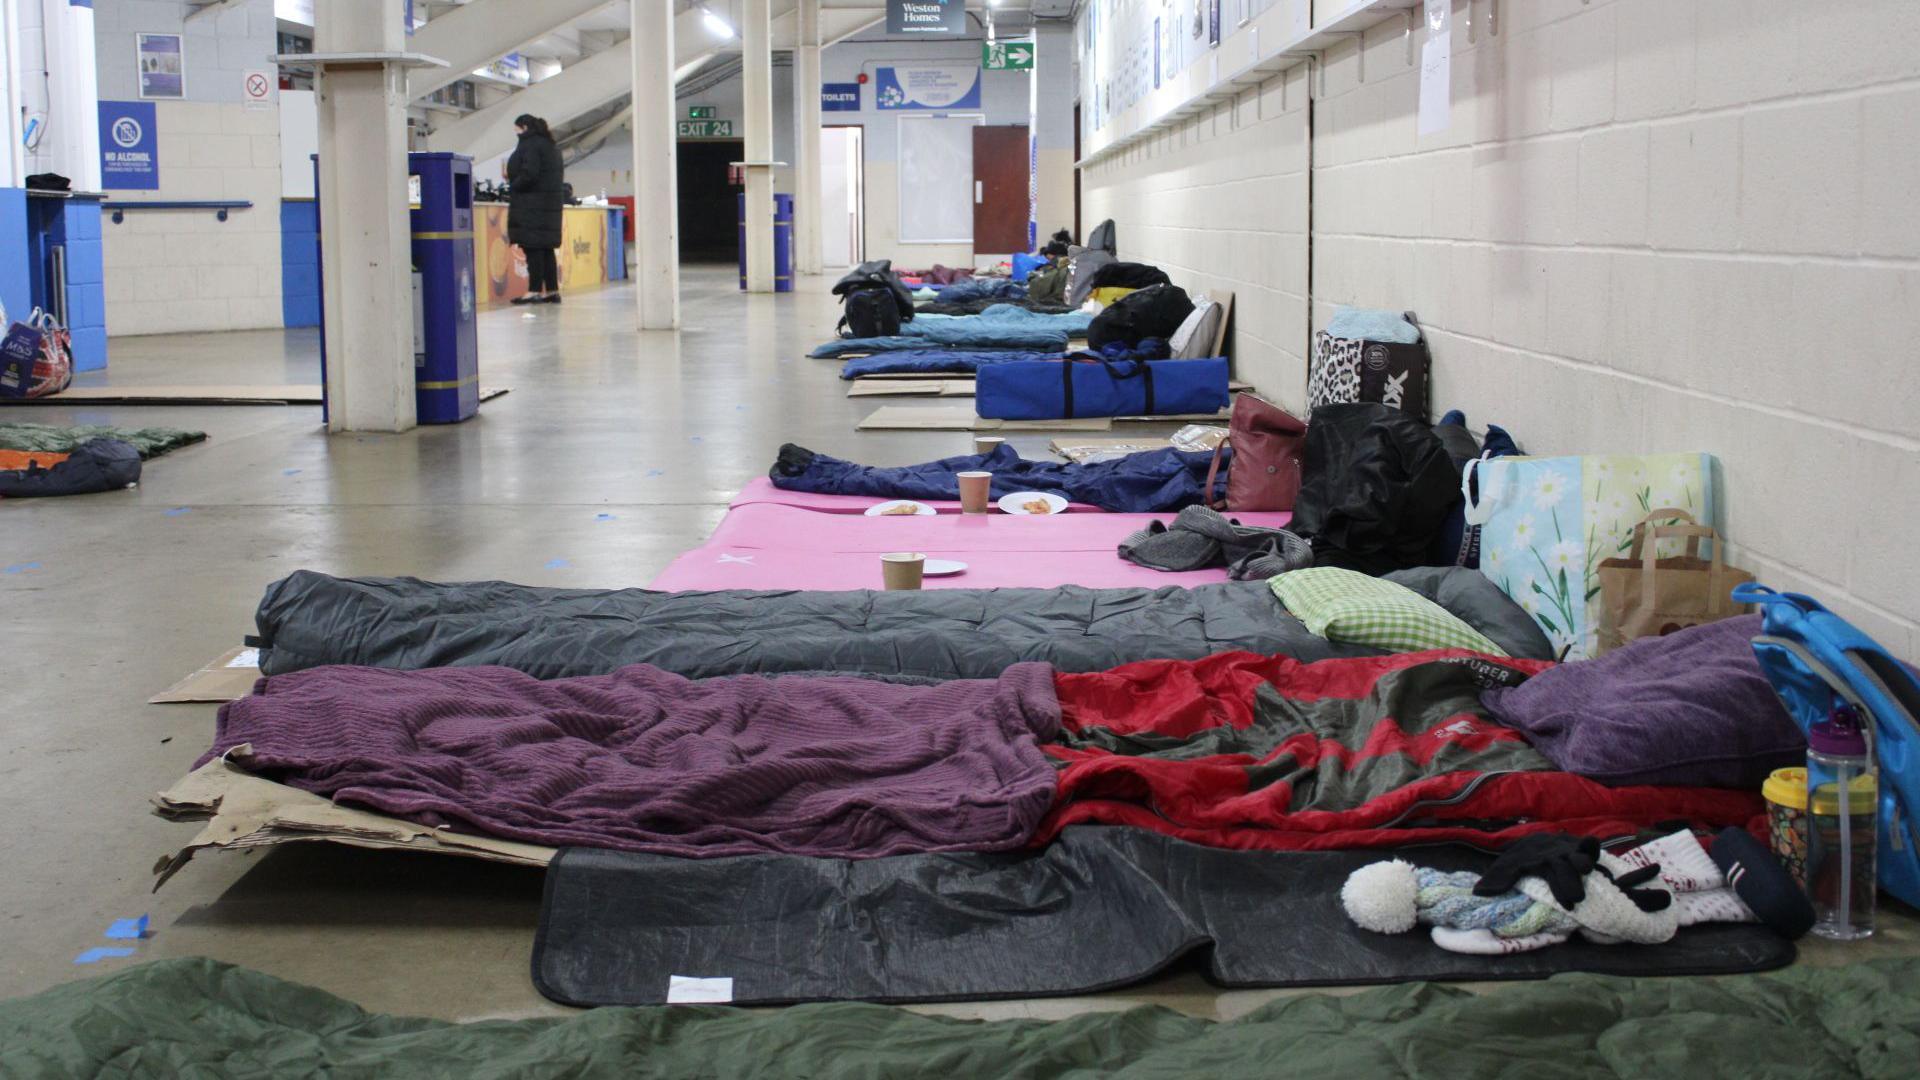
<point x="716" y="25"/>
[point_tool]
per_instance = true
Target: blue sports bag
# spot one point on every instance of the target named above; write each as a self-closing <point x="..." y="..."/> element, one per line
<point x="1089" y="387"/>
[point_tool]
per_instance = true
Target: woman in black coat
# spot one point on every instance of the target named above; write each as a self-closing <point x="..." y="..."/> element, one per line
<point x="535" y="174"/>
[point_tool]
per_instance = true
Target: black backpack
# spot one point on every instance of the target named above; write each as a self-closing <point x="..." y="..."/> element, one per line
<point x="871" y="313"/>
<point x="877" y="274"/>
<point x="1153" y="312"/>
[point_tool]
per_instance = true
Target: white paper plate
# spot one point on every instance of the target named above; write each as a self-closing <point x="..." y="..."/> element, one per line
<point x="1012" y="504"/>
<point x="942" y="568"/>
<point x="920" y="509"/>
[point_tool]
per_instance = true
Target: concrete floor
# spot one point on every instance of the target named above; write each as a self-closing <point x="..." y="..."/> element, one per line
<point x="133" y="590"/>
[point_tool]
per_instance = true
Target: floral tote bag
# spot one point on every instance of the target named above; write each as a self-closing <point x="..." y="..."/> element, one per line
<point x="1546" y="524"/>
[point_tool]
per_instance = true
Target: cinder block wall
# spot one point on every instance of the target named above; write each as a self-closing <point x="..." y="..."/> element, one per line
<point x="174" y="271"/>
<point x="171" y="271"/>
<point x="1220" y="202"/>
<point x="1665" y="225"/>
<point x="1652" y="225"/>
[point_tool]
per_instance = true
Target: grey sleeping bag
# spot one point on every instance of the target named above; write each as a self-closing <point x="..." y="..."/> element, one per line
<point x="309" y="619"/>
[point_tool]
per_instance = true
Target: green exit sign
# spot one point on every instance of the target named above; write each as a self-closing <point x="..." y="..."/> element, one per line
<point x="700" y="112"/>
<point x="1007" y="55"/>
<point x="706" y="129"/>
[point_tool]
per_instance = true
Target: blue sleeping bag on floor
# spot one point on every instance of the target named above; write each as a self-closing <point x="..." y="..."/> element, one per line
<point x="1084" y="387"/>
<point x="951" y="336"/>
<point x="916" y="361"/>
<point x="1152" y="482"/>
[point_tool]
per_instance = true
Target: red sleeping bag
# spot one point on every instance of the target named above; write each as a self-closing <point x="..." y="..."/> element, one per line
<point x="1246" y="751"/>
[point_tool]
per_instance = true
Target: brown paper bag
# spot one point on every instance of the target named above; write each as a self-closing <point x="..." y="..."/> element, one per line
<point x="1644" y="595"/>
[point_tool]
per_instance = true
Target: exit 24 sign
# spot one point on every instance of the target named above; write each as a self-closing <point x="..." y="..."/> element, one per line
<point x="706" y="129"/>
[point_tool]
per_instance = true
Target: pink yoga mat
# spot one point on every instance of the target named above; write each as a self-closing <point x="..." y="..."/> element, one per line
<point x="714" y="567"/>
<point x="766" y="546"/>
<point x="761" y="490"/>
<point x="788" y="528"/>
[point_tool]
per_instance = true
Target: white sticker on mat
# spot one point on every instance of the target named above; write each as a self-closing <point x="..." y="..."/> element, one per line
<point x="247" y="658"/>
<point x="689" y="990"/>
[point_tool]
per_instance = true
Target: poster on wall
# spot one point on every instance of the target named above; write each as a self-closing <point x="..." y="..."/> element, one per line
<point x="926" y="17"/>
<point x="927" y="86"/>
<point x="161" y="61"/>
<point x="129" y="149"/>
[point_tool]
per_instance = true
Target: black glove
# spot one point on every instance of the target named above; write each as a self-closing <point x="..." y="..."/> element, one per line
<point x="1648" y="900"/>
<point x="1562" y="861"/>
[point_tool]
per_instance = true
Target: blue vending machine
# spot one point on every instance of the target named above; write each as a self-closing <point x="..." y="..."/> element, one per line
<point x="446" y="357"/>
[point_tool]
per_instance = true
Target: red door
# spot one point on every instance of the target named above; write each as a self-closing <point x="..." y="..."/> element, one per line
<point x="1000" y="180"/>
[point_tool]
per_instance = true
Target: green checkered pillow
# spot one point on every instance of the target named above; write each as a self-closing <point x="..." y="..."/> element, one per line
<point x="1342" y="605"/>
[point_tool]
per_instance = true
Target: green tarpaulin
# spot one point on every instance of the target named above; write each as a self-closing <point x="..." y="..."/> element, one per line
<point x="46" y="438"/>
<point x="200" y="1018"/>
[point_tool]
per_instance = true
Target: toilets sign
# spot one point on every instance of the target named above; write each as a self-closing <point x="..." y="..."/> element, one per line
<point x="925" y="17"/>
<point x="129" y="151"/>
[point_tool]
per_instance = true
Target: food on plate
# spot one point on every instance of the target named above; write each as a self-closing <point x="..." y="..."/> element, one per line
<point x="1037" y="506"/>
<point x="901" y="509"/>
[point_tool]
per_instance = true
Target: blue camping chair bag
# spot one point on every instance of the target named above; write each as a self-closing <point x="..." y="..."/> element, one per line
<point x="1815" y="658"/>
<point x="1065" y="390"/>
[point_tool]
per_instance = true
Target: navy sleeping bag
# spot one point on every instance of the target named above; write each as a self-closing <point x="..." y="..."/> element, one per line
<point x="95" y="465"/>
<point x="1151" y="482"/>
<point x="1082" y="387"/>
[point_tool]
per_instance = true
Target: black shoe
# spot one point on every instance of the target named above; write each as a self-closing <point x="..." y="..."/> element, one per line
<point x="550" y="298"/>
<point x="527" y="299"/>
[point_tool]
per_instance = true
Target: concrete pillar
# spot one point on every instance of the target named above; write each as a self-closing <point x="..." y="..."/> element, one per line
<point x="60" y="88"/>
<point x="756" y="79"/>
<point x="364" y="230"/>
<point x="1052" y="127"/>
<point x="806" y="141"/>
<point x="656" y="209"/>
<point x="13" y="157"/>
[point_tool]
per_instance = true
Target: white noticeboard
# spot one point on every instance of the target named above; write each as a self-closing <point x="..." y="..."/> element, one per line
<point x="936" y="178"/>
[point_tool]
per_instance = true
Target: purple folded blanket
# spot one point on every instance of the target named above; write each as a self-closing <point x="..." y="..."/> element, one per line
<point x="643" y="760"/>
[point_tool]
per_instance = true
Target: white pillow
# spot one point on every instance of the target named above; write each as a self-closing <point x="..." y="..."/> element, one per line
<point x="1194" y="339"/>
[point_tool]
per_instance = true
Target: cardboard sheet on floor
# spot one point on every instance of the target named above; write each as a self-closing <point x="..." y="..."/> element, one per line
<point x="1099" y="908"/>
<point x="283" y="394"/>
<point x="962" y="418"/>
<point x="244" y="812"/>
<point x="958" y="386"/>
<point x="226" y="677"/>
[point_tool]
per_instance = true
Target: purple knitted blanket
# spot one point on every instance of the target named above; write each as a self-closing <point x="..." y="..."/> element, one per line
<point x="643" y="760"/>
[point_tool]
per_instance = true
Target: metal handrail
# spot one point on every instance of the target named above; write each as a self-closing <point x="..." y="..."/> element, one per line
<point x="218" y="206"/>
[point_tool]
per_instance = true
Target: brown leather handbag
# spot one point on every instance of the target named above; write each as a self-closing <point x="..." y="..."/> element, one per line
<point x="1268" y="445"/>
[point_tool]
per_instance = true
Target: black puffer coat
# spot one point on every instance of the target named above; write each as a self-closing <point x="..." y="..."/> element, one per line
<point x="536" y="173"/>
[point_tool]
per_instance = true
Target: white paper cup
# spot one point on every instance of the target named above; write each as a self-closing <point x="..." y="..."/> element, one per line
<point x="987" y="444"/>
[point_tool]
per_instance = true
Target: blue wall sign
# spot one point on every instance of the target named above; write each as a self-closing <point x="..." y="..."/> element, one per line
<point x="931" y="85"/>
<point x="129" y="146"/>
<point x="840" y="97"/>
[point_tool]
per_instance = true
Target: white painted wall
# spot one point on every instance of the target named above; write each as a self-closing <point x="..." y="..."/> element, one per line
<point x="178" y="271"/>
<point x="1653" y="225"/>
<point x="1220" y="203"/>
<point x="1005" y="99"/>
